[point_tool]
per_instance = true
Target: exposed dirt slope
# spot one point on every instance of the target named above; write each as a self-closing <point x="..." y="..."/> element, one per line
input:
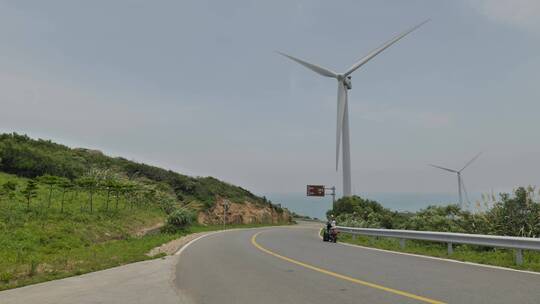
<point x="245" y="213"/>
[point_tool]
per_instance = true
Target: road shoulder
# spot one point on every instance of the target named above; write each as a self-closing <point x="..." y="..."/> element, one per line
<point x="126" y="284"/>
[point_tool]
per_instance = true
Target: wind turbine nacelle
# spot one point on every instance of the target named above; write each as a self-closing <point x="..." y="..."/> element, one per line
<point x="347" y="82"/>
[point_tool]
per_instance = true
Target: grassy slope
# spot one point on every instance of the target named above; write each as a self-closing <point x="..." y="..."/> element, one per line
<point x="43" y="244"/>
<point x="488" y="256"/>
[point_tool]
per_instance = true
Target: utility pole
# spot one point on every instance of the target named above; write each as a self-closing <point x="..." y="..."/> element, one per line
<point x="225" y="208"/>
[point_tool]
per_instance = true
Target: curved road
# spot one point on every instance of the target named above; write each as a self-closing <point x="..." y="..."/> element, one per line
<point x="285" y="265"/>
<point x="292" y="265"/>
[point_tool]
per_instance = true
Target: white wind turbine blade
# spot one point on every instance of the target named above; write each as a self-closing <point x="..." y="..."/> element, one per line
<point x="470" y="162"/>
<point x="383" y="47"/>
<point x="443" y="168"/>
<point x="316" y="68"/>
<point x="341" y="101"/>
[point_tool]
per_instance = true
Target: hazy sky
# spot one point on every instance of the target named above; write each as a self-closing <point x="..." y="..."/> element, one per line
<point x="195" y="86"/>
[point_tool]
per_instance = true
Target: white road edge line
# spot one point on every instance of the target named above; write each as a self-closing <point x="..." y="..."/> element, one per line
<point x="435" y="258"/>
<point x="179" y="252"/>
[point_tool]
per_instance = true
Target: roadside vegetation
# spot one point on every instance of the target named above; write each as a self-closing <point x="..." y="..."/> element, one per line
<point x="465" y="253"/>
<point x="46" y="235"/>
<point x="66" y="211"/>
<point x="57" y="245"/>
<point x="509" y="215"/>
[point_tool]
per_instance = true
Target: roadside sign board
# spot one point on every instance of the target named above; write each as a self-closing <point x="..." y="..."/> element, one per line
<point x="315" y="190"/>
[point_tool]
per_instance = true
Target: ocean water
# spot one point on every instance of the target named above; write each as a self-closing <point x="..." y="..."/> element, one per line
<point x="317" y="206"/>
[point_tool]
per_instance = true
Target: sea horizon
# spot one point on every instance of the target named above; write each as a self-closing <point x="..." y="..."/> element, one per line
<point x="316" y="207"/>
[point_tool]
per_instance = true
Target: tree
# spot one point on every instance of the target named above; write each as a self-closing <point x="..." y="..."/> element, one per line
<point x="65" y="185"/>
<point x="90" y="183"/>
<point x="110" y="185"/>
<point x="50" y="181"/>
<point x="77" y="189"/>
<point x="8" y="190"/>
<point x="117" y="187"/>
<point x="29" y="192"/>
<point x="128" y="189"/>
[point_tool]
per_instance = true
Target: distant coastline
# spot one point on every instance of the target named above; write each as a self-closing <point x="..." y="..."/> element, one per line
<point x="317" y="207"/>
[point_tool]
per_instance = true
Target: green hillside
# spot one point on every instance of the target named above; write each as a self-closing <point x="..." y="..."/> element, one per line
<point x="67" y="211"/>
<point x="26" y="157"/>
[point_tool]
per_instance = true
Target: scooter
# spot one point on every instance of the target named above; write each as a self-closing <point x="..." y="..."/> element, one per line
<point x="331" y="236"/>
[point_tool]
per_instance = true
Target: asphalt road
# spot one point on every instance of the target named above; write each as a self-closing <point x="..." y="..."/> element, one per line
<point x="285" y="265"/>
<point x="292" y="265"/>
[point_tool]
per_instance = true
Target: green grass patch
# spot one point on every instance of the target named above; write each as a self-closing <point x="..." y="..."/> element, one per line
<point x="42" y="243"/>
<point x="466" y="253"/>
<point x="45" y="265"/>
<point x="36" y="247"/>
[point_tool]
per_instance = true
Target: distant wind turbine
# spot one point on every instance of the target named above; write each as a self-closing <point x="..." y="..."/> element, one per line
<point x="344" y="84"/>
<point x="461" y="184"/>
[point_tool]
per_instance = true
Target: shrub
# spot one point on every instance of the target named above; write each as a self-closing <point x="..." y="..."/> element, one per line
<point x="516" y="216"/>
<point x="438" y="218"/>
<point x="168" y="205"/>
<point x="359" y="212"/>
<point x="512" y="215"/>
<point x="180" y="219"/>
<point x="6" y="277"/>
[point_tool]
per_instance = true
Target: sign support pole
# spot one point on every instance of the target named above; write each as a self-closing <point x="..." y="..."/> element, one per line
<point x="333" y="194"/>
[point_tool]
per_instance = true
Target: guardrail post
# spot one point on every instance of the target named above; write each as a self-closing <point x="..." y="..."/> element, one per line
<point x="354" y="236"/>
<point x="519" y="256"/>
<point x="402" y="243"/>
<point x="450" y="249"/>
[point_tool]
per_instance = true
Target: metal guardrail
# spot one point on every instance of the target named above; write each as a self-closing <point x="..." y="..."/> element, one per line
<point x="517" y="243"/>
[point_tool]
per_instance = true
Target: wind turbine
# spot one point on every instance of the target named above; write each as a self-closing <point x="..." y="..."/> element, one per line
<point x="344" y="84"/>
<point x="461" y="185"/>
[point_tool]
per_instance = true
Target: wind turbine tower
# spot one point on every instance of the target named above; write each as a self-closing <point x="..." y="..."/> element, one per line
<point x="461" y="185"/>
<point x="344" y="84"/>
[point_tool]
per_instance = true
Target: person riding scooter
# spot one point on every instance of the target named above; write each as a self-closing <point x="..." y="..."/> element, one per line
<point x="328" y="225"/>
<point x="330" y="234"/>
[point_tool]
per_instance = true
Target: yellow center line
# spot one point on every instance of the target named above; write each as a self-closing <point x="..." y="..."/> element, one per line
<point x="343" y="277"/>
